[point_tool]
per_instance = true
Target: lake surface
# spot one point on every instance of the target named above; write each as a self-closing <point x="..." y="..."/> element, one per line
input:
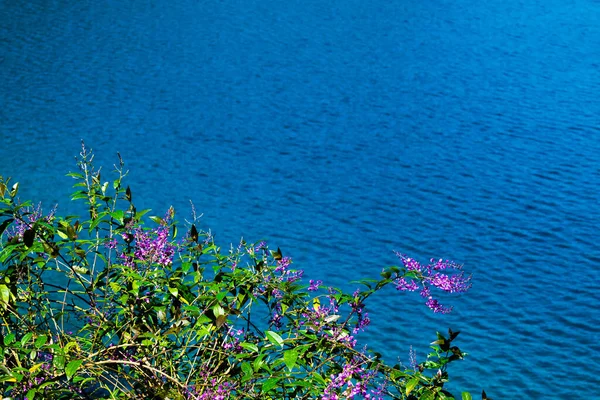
<point x="341" y="131"/>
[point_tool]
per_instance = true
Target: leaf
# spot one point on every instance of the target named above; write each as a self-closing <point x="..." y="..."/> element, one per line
<point x="72" y="367"/>
<point x="194" y="233"/>
<point x="290" y="357"/>
<point x="118" y="215"/>
<point x="277" y="254"/>
<point x="411" y="384"/>
<point x="274" y="338"/>
<point x="332" y="318"/>
<point x="269" y="384"/>
<point x="31" y="394"/>
<point x="4" y="296"/>
<point x="157" y="220"/>
<point x="427" y="395"/>
<point x="58" y="361"/>
<point x="15" y="190"/>
<point x="247" y="369"/>
<point x="28" y="237"/>
<point x="317" y="377"/>
<point x="35" y="368"/>
<point x="5" y="224"/>
<point x="221" y="320"/>
<point x="248" y="346"/>
<point x="40" y="341"/>
<point x="466" y="396"/>
<point x="62" y="234"/>
<point x="453" y="334"/>
<point x="26" y="338"/>
<point x="9" y="339"/>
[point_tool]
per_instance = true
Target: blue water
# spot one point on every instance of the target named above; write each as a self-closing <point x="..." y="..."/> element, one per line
<point x="341" y="131"/>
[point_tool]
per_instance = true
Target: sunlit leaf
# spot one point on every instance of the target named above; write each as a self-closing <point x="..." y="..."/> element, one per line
<point x="274" y="338"/>
<point x="269" y="384"/>
<point x="411" y="384"/>
<point x="277" y="254"/>
<point x="290" y="357"/>
<point x="72" y="367"/>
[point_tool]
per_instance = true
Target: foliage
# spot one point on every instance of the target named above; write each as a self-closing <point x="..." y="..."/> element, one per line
<point x="119" y="305"/>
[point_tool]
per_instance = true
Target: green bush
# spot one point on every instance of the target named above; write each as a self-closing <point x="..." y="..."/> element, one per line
<point x="120" y="305"/>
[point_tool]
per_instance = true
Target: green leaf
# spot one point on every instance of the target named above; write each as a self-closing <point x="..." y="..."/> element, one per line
<point x="118" y="215"/>
<point x="26" y="338"/>
<point x="15" y="190"/>
<point x="9" y="339"/>
<point x="319" y="378"/>
<point x="269" y="384"/>
<point x="156" y="219"/>
<point x="75" y="175"/>
<point x="62" y="234"/>
<point x="4" y="296"/>
<point x="277" y="254"/>
<point x="58" y="361"/>
<point x="72" y="367"/>
<point x="248" y="346"/>
<point x="31" y="394"/>
<point x="427" y="395"/>
<point x="40" y="341"/>
<point x="274" y="338"/>
<point x="247" y="369"/>
<point x="5" y="224"/>
<point x="411" y="384"/>
<point x="290" y="357"/>
<point x="466" y="396"/>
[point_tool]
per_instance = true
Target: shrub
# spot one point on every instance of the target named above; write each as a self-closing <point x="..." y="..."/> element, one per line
<point x="121" y="305"/>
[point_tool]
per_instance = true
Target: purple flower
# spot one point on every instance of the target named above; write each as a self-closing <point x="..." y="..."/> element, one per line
<point x="438" y="274"/>
<point x="314" y="286"/>
<point x="153" y="247"/>
<point x="283" y="264"/>
<point x="402" y="284"/>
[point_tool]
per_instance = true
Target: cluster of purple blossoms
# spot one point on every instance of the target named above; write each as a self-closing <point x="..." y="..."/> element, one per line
<point x="285" y="273"/>
<point x="212" y="390"/>
<point x="283" y="264"/>
<point x="351" y="382"/>
<point x="151" y="247"/>
<point x="363" y="317"/>
<point x="322" y="321"/>
<point x="314" y="285"/>
<point x="29" y="216"/>
<point x="277" y="316"/>
<point x="427" y="276"/>
<point x="232" y="341"/>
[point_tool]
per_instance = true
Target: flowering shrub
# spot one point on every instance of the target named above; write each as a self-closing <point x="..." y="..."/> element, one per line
<point x="121" y="306"/>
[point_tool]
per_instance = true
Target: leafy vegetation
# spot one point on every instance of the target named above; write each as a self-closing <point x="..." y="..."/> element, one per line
<point x="119" y="304"/>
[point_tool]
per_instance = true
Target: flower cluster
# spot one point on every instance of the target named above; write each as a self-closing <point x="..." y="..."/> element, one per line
<point x="353" y="381"/>
<point x="151" y="247"/>
<point x="26" y="218"/>
<point x="362" y="317"/>
<point x="426" y="276"/>
<point x="314" y="285"/>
